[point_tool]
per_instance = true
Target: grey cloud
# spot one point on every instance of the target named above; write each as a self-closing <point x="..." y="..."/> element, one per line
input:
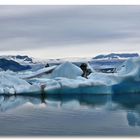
<point x="48" y="26"/>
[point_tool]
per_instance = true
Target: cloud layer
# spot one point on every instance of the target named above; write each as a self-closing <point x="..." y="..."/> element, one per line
<point x="28" y="28"/>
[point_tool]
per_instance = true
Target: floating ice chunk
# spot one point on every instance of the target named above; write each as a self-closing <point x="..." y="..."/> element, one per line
<point x="12" y="84"/>
<point x="129" y="77"/>
<point x="67" y="70"/>
<point x="104" y="79"/>
<point x="37" y="73"/>
<point x="66" y="78"/>
<point x="126" y="67"/>
<point x="130" y="70"/>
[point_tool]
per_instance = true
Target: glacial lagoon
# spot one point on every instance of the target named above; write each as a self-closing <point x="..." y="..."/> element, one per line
<point x="70" y="115"/>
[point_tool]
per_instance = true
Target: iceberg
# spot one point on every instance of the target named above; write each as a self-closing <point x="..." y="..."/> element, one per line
<point x="76" y="86"/>
<point x="67" y="70"/>
<point x="66" y="79"/>
<point x="130" y="69"/>
<point x="129" y="77"/>
<point x="126" y="80"/>
<point x="11" y="84"/>
<point x="104" y="78"/>
<point x="38" y="73"/>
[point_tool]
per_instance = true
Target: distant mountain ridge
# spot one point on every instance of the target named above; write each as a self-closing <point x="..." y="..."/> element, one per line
<point x="23" y="62"/>
<point x="24" y="57"/>
<point x="12" y="65"/>
<point x="116" y="55"/>
<point x="19" y="62"/>
<point x="18" y="58"/>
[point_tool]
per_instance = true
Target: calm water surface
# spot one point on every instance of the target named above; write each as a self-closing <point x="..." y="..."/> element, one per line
<point x="70" y="115"/>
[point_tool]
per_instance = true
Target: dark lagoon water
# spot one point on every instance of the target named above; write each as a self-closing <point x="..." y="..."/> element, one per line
<point x="70" y="115"/>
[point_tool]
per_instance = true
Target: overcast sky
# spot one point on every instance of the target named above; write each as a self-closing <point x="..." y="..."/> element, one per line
<point x="69" y="31"/>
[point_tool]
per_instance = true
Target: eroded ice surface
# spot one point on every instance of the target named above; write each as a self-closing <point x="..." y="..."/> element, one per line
<point x="67" y="70"/>
<point x="39" y="72"/>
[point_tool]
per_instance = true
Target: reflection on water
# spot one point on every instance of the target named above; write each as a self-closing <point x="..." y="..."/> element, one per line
<point x="11" y="102"/>
<point x="129" y="104"/>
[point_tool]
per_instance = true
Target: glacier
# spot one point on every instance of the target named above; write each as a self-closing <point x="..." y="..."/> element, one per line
<point x="66" y="79"/>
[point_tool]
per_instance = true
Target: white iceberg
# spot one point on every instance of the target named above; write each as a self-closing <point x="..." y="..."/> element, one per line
<point x="104" y="78"/>
<point x="10" y="84"/>
<point x="38" y="73"/>
<point x="127" y="79"/>
<point x="67" y="70"/>
<point x="130" y="70"/>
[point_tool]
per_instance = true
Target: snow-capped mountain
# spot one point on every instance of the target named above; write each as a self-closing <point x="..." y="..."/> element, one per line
<point x="12" y="65"/>
<point x="117" y="56"/>
<point x="24" y="60"/>
<point x="18" y="63"/>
